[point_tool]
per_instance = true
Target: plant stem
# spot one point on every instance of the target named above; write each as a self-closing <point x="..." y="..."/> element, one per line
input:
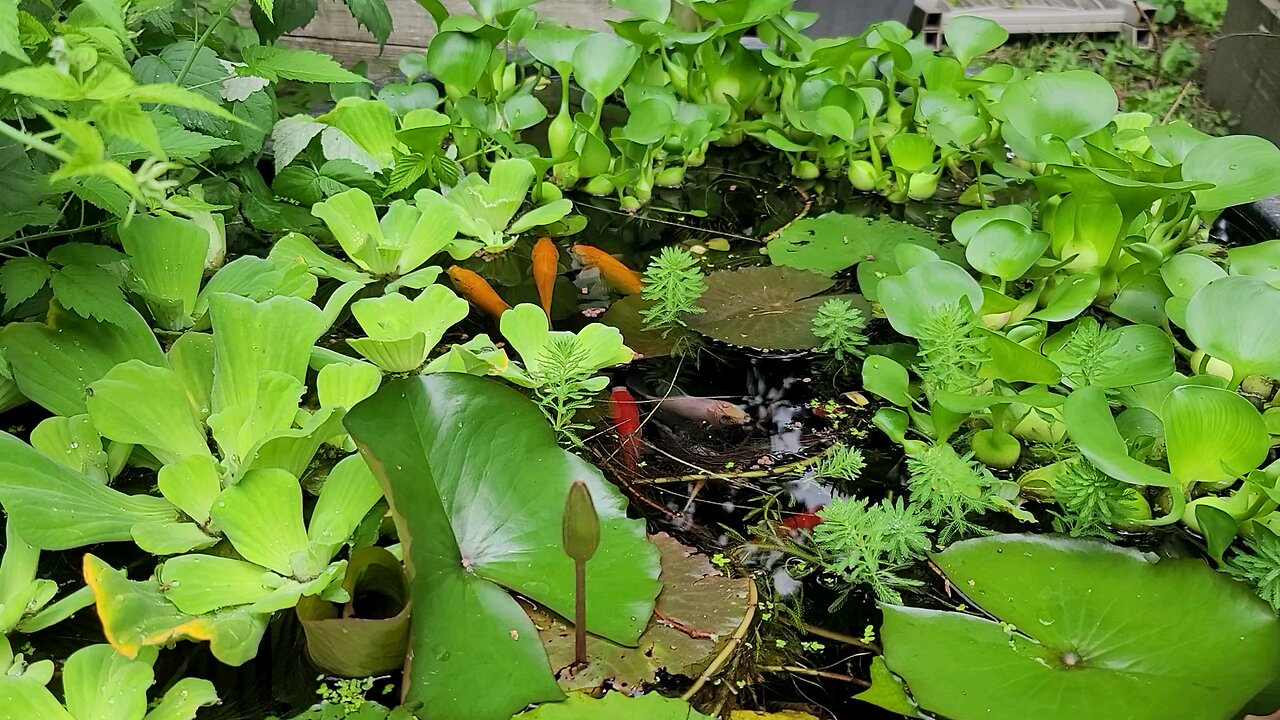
<point x="707" y="474"/>
<point x="200" y="42"/>
<point x="580" y="612"/>
<point x="840" y="637"/>
<point x="14" y="133"/>
<point x="798" y="670"/>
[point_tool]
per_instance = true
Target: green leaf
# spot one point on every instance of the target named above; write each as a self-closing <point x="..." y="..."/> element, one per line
<point x="1233" y="319"/>
<point x="184" y="699"/>
<point x="1066" y="105"/>
<point x="616" y="706"/>
<point x="276" y="63"/>
<point x="1093" y="429"/>
<point x="601" y="62"/>
<point x="910" y="298"/>
<point x="53" y="363"/>
<point x="21" y="278"/>
<point x="1083" y="620"/>
<point x="969" y="36"/>
<point x="142" y="404"/>
<point x="765" y="307"/>
<point x="1218" y="528"/>
<point x="262" y="517"/>
<point x="23" y="698"/>
<point x="355" y="646"/>
<point x="1212" y="434"/>
<point x="204" y="79"/>
<point x="92" y="292"/>
<point x="349" y="492"/>
<point x="402" y="331"/>
<point x="1005" y="248"/>
<point x="458" y="59"/>
<point x="291" y="136"/>
<point x="56" y="508"/>
<point x="192" y="484"/>
<point x="10" y="39"/>
<point x="464" y="556"/>
<point x="1261" y="260"/>
<point x="74" y="442"/>
<point x="1243" y="168"/>
<point x="887" y="378"/>
<point x="96" y="674"/>
<point x="887" y="690"/>
<point x="372" y="15"/>
<point x="167" y="255"/>
<point x="46" y="82"/>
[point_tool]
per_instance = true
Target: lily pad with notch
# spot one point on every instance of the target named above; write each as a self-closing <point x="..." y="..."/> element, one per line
<point x="769" y="308"/>
<point x="832" y="242"/>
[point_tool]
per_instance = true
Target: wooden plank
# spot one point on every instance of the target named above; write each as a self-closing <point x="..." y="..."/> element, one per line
<point x="334" y="30"/>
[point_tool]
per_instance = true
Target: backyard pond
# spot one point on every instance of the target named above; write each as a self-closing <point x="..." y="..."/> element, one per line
<point x="637" y="374"/>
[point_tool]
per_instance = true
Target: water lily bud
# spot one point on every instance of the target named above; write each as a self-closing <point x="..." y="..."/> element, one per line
<point x="560" y="135"/>
<point x="581" y="529"/>
<point x="922" y="186"/>
<point x="804" y="170"/>
<point x="862" y="175"/>
<point x="670" y="177"/>
<point x="599" y="185"/>
<point x="1203" y="364"/>
<point x="996" y="448"/>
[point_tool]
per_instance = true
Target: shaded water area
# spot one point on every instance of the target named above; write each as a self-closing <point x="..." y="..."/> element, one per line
<point x="721" y="490"/>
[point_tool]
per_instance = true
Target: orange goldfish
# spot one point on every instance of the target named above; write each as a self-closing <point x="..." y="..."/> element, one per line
<point x="615" y="274"/>
<point x="471" y="286"/>
<point x="545" y="264"/>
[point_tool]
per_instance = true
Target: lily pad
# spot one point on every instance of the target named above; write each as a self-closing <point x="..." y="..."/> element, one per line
<point x="625" y="315"/>
<point x="616" y="706"/>
<point x="1123" y="635"/>
<point x="477" y="485"/>
<point x="697" y="612"/>
<point x="832" y="242"/>
<point x="770" y="308"/>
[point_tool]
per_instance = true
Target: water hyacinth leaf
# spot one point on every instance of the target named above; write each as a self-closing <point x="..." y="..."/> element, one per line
<point x="616" y="706"/>
<point x="56" y="508"/>
<point x="910" y="298"/>
<point x="887" y="378"/>
<point x="1005" y="249"/>
<point x="1076" y="621"/>
<point x="1093" y="429"/>
<point x="53" y="363"/>
<point x="601" y="61"/>
<point x="967" y="223"/>
<point x="464" y="557"/>
<point x="1212" y="434"/>
<point x="368" y="644"/>
<point x="1242" y="168"/>
<point x="1233" y="319"/>
<point x="969" y="36"/>
<point x="765" y="307"/>
<point x="262" y="517"/>
<point x="552" y="43"/>
<point x="1185" y="273"/>
<point x="1011" y="362"/>
<point x="1260" y="260"/>
<point x="1066" y="105"/>
<point x="1141" y="354"/>
<point x="1218" y="528"/>
<point x="136" y="615"/>
<point x="1068" y="297"/>
<point x="1174" y="140"/>
<point x="167" y="254"/>
<point x="832" y="242"/>
<point x="458" y="59"/>
<point x="145" y="405"/>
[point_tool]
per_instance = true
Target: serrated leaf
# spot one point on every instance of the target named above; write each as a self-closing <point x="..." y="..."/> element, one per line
<point x="274" y="63"/>
<point x="21" y="278"/>
<point x="257" y="111"/>
<point x="407" y="169"/>
<point x="204" y="78"/>
<point x="176" y="141"/>
<point x="103" y="194"/>
<point x="43" y="81"/>
<point x="91" y="292"/>
<point x="291" y="136"/>
<point x="10" y="42"/>
<point x="373" y="15"/>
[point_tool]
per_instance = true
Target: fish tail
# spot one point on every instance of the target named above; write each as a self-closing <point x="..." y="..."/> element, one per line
<point x="626" y="421"/>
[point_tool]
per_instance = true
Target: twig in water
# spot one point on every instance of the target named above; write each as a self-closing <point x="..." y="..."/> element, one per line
<point x="798" y="670"/>
<point x="841" y="637"/>
<point x="734" y="642"/>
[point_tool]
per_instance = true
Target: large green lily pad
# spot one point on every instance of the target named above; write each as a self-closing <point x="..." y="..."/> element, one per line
<point x="616" y="706"/>
<point x="1089" y="630"/>
<point x="832" y="242"/>
<point x="478" y="484"/>
<point x="770" y="308"/>
<point x="697" y="612"/>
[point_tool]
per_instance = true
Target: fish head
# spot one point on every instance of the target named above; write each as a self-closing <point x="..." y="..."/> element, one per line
<point x="726" y="413"/>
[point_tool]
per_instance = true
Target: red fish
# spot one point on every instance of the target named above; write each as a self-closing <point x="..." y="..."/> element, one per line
<point x="545" y="259"/>
<point x="626" y="421"/>
<point x="801" y="521"/>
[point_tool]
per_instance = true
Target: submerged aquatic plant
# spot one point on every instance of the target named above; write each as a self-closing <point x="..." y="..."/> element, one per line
<point x="1084" y="357"/>
<point x="947" y="487"/>
<point x="1260" y="566"/>
<point x="950" y="349"/>
<point x="839" y="325"/>
<point x="867" y="544"/>
<point x="841" y="462"/>
<point x="565" y="386"/>
<point x="673" y="282"/>
<point x="1093" y="502"/>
